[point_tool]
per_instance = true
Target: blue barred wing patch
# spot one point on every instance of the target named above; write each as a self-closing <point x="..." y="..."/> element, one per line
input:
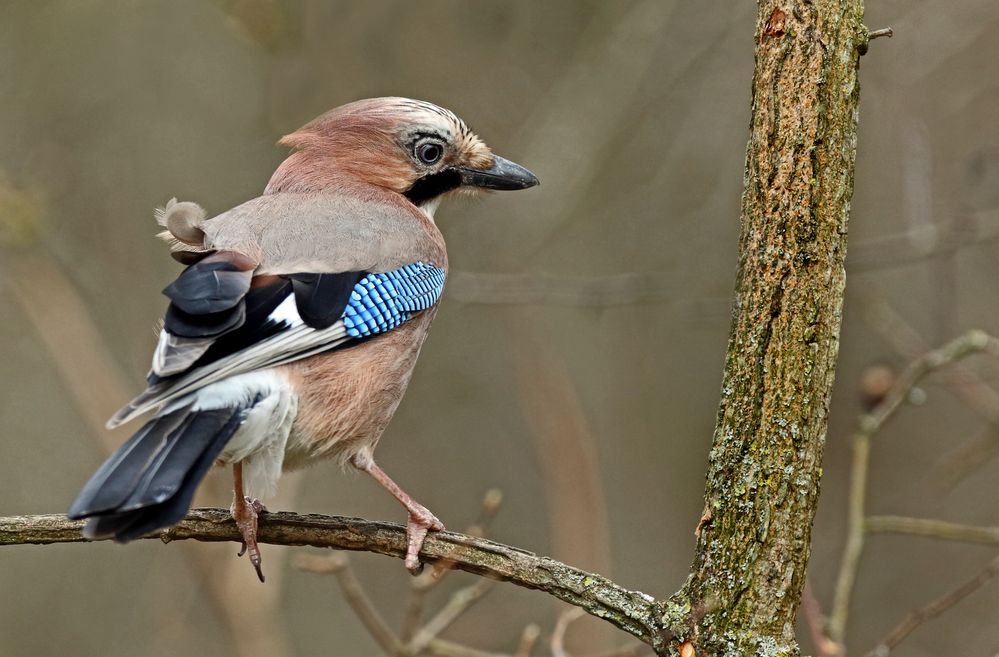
<point x="381" y="302"/>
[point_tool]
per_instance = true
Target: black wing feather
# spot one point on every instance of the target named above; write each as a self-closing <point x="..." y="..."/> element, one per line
<point x="206" y="300"/>
<point x="188" y="325"/>
<point x="209" y="287"/>
<point x="260" y="302"/>
<point x="321" y="298"/>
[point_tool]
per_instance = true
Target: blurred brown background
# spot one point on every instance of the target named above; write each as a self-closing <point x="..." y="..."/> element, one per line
<point x="592" y="406"/>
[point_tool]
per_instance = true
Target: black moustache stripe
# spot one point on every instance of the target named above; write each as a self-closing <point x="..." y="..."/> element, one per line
<point x="433" y="185"/>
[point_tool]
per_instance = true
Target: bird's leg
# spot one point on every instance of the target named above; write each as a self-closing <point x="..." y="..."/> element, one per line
<point x="420" y="519"/>
<point x="245" y="512"/>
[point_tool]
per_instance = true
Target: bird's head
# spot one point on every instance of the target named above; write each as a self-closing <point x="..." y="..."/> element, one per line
<point x="410" y="147"/>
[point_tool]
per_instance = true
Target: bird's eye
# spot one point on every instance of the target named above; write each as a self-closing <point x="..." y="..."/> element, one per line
<point x="429" y="152"/>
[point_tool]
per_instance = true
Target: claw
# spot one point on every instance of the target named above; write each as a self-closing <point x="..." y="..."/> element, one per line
<point x="256" y="567"/>
<point x="245" y="516"/>
<point x="245" y="512"/>
<point x="420" y="523"/>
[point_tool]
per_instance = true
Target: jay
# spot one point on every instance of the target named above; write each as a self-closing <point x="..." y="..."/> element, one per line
<point x="293" y="332"/>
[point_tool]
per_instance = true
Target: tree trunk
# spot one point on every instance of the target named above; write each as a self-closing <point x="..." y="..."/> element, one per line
<point x="763" y="477"/>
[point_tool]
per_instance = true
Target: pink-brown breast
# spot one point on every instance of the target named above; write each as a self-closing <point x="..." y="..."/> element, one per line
<point x="347" y="397"/>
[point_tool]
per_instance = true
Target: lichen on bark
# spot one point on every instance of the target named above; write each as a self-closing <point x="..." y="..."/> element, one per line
<point x="765" y="461"/>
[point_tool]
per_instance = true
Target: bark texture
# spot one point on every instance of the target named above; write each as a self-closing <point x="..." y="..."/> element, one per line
<point x="763" y="477"/>
<point x="632" y="611"/>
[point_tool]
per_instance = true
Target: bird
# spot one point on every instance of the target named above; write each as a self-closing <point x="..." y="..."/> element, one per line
<point x="292" y="332"/>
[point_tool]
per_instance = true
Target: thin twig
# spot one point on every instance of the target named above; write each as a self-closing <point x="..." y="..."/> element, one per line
<point x="426" y="640"/>
<point x="870" y="423"/>
<point x="354" y="594"/>
<point x="965" y="382"/>
<point x="442" y="648"/>
<point x="632" y="611"/>
<point x="854" y="538"/>
<point x="561" y="627"/>
<point x="430" y="579"/>
<point x="415" y="602"/>
<point x="528" y="639"/>
<point x="917" y="617"/>
<point x="967" y="458"/>
<point x="459" y="603"/>
<point x="812" y="612"/>
<point x="883" y="32"/>
<point x="968" y="385"/>
<point x="972" y="342"/>
<point x="947" y="531"/>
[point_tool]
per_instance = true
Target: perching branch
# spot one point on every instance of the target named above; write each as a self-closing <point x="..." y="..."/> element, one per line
<point x="631" y="611"/>
<point x="417" y="637"/>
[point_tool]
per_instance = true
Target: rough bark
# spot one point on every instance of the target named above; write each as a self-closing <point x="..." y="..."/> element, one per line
<point x="763" y="477"/>
<point x="632" y="611"/>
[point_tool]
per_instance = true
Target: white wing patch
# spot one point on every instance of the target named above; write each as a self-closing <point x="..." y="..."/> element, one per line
<point x="287" y="311"/>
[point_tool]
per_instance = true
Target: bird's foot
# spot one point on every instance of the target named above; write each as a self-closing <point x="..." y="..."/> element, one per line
<point x="420" y="522"/>
<point x="245" y="512"/>
<point x="257" y="508"/>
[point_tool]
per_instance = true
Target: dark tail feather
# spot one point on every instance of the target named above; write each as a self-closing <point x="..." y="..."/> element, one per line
<point x="149" y="482"/>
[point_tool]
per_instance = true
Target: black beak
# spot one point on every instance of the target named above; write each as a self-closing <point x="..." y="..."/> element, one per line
<point x="503" y="174"/>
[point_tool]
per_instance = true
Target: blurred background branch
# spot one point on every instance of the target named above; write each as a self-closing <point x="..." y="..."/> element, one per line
<point x="885" y="402"/>
<point x="916" y="245"/>
<point x="917" y="617"/>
